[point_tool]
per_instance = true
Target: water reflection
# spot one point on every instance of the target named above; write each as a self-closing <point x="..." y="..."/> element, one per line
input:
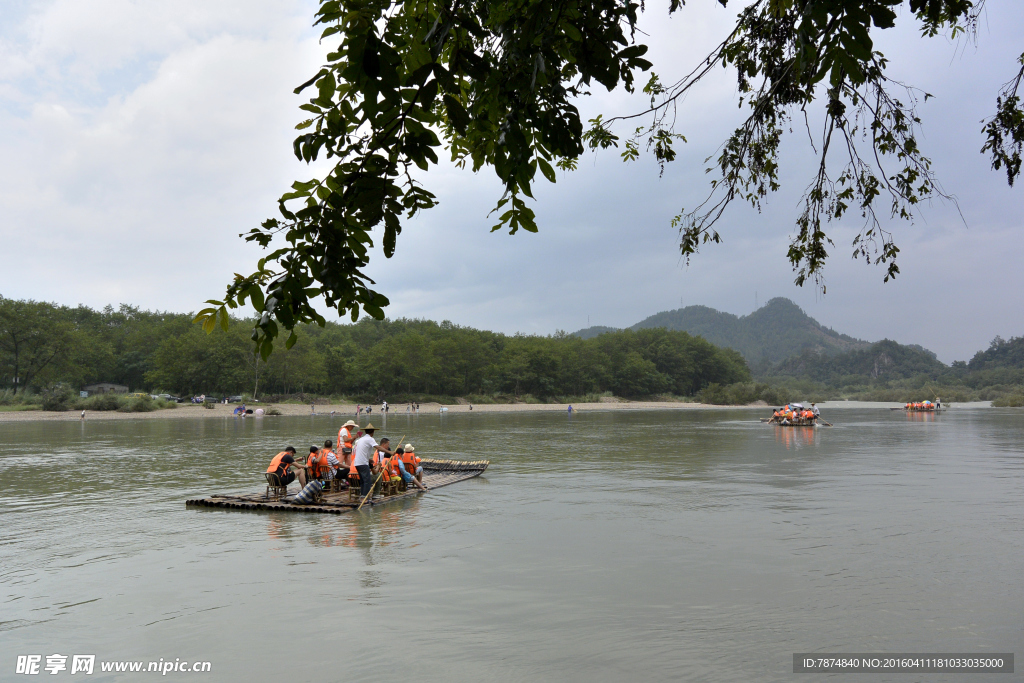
<point x="796" y="437"/>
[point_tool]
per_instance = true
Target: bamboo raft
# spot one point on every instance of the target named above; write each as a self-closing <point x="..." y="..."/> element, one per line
<point x="799" y="422"/>
<point x="436" y="473"/>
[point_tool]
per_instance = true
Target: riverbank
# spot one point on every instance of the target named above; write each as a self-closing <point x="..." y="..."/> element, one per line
<point x="221" y="411"/>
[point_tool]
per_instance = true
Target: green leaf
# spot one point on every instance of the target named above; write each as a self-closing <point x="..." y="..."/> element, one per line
<point x="546" y="169"/>
<point x="256" y="297"/>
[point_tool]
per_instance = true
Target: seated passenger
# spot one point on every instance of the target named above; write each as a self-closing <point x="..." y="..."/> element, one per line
<point x="406" y="471"/>
<point x="412" y="462"/>
<point x="280" y="465"/>
<point x="332" y="458"/>
<point x="317" y="465"/>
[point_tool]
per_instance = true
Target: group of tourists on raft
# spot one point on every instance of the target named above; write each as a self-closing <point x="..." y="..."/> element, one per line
<point x="923" y="405"/>
<point x="796" y="414"/>
<point x="359" y="459"/>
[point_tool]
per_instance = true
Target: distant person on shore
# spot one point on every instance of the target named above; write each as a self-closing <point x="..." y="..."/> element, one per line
<point x="570" y="409"/>
<point x="83" y="414"/>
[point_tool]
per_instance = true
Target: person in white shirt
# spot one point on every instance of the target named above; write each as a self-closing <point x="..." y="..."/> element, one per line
<point x="365" y="448"/>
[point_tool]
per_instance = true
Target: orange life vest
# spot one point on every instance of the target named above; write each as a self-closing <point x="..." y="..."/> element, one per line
<point x="318" y="464"/>
<point x="375" y="462"/>
<point x="276" y="463"/>
<point x="409" y="460"/>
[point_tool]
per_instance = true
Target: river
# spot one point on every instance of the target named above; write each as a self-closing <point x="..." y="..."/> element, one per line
<point x="696" y="545"/>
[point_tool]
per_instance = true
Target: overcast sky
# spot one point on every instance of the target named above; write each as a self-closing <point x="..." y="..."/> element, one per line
<point x="139" y="138"/>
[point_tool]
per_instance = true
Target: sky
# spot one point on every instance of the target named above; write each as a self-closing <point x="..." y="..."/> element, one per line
<point x="139" y="138"/>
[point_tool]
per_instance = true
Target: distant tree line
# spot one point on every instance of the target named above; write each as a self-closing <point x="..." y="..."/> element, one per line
<point x="889" y="371"/>
<point x="43" y="345"/>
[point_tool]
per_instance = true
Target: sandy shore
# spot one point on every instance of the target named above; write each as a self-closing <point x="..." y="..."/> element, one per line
<point x="219" y="411"/>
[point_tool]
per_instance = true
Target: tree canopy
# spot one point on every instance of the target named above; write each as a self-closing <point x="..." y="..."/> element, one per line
<point x="494" y="83"/>
<point x="372" y="359"/>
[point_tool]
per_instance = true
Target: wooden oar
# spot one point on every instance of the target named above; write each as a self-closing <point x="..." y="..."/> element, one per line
<point x="827" y="424"/>
<point x="382" y="470"/>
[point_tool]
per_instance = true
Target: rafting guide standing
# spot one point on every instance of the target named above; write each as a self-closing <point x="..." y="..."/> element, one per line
<point x="365" y="448"/>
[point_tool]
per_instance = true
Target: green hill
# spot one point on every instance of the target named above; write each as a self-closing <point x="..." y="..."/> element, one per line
<point x="999" y="354"/>
<point x="776" y="331"/>
<point x="881" y="362"/>
<point x="591" y="332"/>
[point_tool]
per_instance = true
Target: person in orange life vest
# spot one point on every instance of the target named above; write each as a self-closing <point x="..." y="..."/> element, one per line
<point x="405" y="466"/>
<point x="377" y="462"/>
<point x="332" y="460"/>
<point x="347" y="437"/>
<point x="317" y="465"/>
<point x="280" y="465"/>
<point x="411" y="462"/>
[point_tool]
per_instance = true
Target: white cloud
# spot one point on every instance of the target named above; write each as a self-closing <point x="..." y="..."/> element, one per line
<point x="139" y="139"/>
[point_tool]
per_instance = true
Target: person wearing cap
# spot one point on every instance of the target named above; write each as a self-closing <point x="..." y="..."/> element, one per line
<point x="347" y="437"/>
<point x="814" y="409"/>
<point x="366" y="447"/>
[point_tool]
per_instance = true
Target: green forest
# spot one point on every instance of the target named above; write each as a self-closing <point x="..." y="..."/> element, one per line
<point x="888" y="371"/>
<point x="47" y="349"/>
<point x="48" y="352"/>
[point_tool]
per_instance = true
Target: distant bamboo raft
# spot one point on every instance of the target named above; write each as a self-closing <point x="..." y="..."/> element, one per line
<point x="430" y="465"/>
<point x="436" y="473"/>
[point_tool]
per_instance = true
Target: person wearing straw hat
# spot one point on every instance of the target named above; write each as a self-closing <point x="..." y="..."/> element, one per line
<point x="347" y="437"/>
<point x="365" y="448"/>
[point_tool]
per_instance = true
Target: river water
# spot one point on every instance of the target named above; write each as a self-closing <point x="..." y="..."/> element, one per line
<point x="670" y="545"/>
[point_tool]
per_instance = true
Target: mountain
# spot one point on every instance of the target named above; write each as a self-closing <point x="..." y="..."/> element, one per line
<point x="1000" y="354"/>
<point x="778" y="330"/>
<point x="880" y="362"/>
